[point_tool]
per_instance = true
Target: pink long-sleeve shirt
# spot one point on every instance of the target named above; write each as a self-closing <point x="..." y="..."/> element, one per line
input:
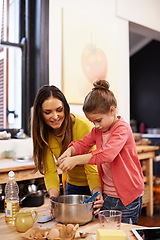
<point x="120" y="151"/>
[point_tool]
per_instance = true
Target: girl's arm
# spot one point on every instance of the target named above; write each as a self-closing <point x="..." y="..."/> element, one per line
<point x="68" y="153"/>
<point x="68" y="163"/>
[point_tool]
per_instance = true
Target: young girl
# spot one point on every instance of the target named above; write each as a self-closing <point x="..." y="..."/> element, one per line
<point x="116" y="156"/>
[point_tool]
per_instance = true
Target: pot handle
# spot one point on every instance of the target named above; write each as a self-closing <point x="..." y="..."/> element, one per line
<point x="23" y="198"/>
<point x="35" y="215"/>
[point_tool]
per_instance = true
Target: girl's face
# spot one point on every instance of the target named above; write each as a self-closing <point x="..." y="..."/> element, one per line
<point x="103" y="121"/>
<point x="53" y="112"/>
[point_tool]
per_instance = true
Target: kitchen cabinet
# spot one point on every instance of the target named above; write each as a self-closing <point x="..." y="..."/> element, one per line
<point x="155" y="141"/>
<point x="146" y="155"/>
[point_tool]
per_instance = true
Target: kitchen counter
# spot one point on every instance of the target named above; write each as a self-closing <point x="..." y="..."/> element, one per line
<point x="146" y="155"/>
<point x="146" y="148"/>
<point x="23" y="170"/>
<point x="8" y="232"/>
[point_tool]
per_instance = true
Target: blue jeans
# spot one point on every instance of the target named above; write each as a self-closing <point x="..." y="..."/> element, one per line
<point x="80" y="190"/>
<point x="130" y="213"/>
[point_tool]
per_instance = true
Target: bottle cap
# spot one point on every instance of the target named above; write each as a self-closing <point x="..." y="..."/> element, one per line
<point x="11" y="175"/>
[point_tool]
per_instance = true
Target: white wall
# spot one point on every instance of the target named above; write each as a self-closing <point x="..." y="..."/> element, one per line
<point x="21" y="147"/>
<point x="144" y="12"/>
<point x="105" y="10"/>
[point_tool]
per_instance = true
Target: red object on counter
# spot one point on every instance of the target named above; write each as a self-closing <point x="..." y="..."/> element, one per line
<point x="142" y="128"/>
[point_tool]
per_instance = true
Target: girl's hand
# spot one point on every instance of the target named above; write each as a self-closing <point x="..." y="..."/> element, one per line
<point x="68" y="153"/>
<point x="98" y="203"/>
<point x="67" y="163"/>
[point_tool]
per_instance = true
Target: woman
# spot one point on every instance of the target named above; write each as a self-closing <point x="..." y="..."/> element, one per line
<point x="53" y="128"/>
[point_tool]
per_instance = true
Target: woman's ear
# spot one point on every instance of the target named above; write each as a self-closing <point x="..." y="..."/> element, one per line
<point x="113" y="110"/>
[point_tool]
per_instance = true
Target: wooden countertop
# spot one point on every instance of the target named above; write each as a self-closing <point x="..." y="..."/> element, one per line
<point x="25" y="170"/>
<point x="7" y="164"/>
<point x="146" y="148"/>
<point x="8" y="232"/>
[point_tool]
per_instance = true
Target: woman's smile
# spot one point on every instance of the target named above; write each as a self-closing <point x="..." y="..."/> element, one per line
<point x="53" y="112"/>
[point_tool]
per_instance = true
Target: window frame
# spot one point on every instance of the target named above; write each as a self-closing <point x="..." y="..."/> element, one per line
<point x="34" y="41"/>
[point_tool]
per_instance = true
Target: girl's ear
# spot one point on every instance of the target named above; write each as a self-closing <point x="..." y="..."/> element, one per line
<point x="113" y="110"/>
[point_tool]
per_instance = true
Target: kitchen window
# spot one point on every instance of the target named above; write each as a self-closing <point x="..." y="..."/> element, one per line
<point x="24" y="61"/>
<point x="10" y="65"/>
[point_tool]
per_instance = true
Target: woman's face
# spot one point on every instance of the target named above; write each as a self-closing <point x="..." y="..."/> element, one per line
<point x="53" y="112"/>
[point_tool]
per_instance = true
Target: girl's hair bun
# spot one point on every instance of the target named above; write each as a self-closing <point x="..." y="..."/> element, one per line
<point x="101" y="84"/>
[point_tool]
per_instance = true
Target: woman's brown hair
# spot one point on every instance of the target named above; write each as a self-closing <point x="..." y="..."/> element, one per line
<point x="40" y="130"/>
<point x="100" y="99"/>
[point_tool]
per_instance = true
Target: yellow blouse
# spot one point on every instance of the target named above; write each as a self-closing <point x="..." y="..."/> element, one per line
<point x="81" y="175"/>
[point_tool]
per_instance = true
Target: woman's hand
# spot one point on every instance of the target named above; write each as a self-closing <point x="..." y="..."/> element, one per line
<point x="53" y="193"/>
<point x="98" y="203"/>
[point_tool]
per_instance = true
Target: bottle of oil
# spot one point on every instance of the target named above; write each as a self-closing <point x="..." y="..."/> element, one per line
<point x="11" y="199"/>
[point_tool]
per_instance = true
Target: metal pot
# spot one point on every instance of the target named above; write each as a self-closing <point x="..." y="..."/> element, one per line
<point x="70" y="209"/>
<point x="33" y="199"/>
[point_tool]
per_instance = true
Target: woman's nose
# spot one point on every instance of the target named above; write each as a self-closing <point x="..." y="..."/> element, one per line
<point x="54" y="115"/>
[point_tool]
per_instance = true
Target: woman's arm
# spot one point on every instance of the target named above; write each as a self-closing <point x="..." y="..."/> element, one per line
<point x="51" y="176"/>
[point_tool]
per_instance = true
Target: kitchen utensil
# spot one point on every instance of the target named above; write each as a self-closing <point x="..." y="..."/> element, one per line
<point x="9" y="154"/>
<point x="69" y="209"/>
<point x="92" y="197"/>
<point x="25" y="220"/>
<point x="24" y="159"/>
<point x="33" y="199"/>
<point x="32" y="188"/>
<point x="85" y="234"/>
<point x="55" y="159"/>
<point x="110" y="219"/>
<point x="45" y="219"/>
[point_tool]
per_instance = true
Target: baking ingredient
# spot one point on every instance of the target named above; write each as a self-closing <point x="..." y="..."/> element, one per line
<point x="11" y="199"/>
<point x="60" y="232"/>
<point x="54" y="233"/>
<point x="69" y="228"/>
<point x="111" y="234"/>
